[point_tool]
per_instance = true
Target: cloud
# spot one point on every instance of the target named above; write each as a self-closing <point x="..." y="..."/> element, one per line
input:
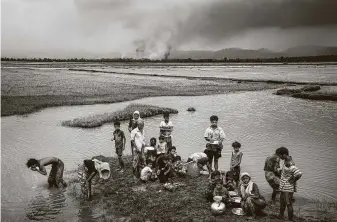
<point x="224" y="19"/>
<point x="57" y="28"/>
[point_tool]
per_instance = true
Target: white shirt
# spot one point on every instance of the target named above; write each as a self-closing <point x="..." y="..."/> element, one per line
<point x="166" y="128"/>
<point x="145" y="173"/>
<point x="138" y="137"/>
<point x="215" y="133"/>
<point x="197" y="156"/>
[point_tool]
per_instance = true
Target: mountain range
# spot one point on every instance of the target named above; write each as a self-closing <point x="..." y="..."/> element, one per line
<point x="233" y="53"/>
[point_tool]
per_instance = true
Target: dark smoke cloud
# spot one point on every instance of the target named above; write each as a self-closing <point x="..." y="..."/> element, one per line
<point x="224" y="19"/>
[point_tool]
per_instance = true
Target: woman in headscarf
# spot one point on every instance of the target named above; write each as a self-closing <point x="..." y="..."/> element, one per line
<point x="252" y="201"/>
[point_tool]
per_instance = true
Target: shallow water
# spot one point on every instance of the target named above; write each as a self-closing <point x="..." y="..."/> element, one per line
<point x="261" y="121"/>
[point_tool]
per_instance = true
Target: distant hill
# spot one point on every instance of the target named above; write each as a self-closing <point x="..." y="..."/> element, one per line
<point x="233" y="53"/>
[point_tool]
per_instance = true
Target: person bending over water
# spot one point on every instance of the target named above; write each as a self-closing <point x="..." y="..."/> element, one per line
<point x="56" y="174"/>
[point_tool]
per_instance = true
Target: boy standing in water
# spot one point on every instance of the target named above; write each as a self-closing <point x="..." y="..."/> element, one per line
<point x="56" y="174"/>
<point x="236" y="161"/>
<point x="214" y="135"/>
<point x="290" y="174"/>
<point x="120" y="140"/>
<point x="166" y="128"/>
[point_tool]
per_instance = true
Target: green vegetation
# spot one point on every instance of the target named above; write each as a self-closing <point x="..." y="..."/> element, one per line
<point x="124" y="114"/>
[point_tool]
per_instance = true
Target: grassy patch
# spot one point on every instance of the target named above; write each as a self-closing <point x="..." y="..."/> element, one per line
<point x="124" y="114"/>
<point x="122" y="196"/>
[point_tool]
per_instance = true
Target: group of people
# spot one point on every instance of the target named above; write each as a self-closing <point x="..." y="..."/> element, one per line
<point x="160" y="162"/>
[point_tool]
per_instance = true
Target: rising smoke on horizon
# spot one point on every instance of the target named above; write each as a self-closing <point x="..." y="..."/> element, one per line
<point x="151" y="29"/>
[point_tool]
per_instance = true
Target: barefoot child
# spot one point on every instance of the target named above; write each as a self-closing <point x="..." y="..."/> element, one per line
<point x="147" y="173"/>
<point x="56" y="174"/>
<point x="120" y="140"/>
<point x="166" y="128"/>
<point x="236" y="161"/>
<point x="214" y="135"/>
<point x="290" y="174"/>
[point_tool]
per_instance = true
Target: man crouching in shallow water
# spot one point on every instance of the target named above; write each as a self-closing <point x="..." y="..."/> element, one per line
<point x="56" y="174"/>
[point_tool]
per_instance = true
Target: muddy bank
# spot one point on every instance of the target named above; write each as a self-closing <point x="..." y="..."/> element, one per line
<point x="25" y="91"/>
<point x="311" y="92"/>
<point x="206" y="78"/>
<point x="124" y="114"/>
<point x="125" y="198"/>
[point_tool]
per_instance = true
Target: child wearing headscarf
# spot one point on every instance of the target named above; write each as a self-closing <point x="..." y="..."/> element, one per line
<point x="252" y="201"/>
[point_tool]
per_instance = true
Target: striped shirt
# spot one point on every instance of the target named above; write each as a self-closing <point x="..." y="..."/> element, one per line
<point x="287" y="173"/>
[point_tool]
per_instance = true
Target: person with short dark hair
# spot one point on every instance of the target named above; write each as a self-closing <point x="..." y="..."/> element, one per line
<point x="236" y="161"/>
<point x="164" y="171"/>
<point x="151" y="151"/>
<point x="166" y="128"/>
<point x="162" y="146"/>
<point x="289" y="176"/>
<point x="214" y="135"/>
<point x="146" y="172"/>
<point x="273" y="170"/>
<point x="56" y="174"/>
<point x="120" y="140"/>
<point x="215" y="176"/>
<point x="220" y="190"/>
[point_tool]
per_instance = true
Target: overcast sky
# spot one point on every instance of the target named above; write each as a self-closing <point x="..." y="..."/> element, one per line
<point x="63" y="28"/>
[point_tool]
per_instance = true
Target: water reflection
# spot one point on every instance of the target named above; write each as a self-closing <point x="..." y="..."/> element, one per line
<point x="46" y="205"/>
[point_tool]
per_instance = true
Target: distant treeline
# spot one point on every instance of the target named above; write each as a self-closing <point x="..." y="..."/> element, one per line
<point x="323" y="58"/>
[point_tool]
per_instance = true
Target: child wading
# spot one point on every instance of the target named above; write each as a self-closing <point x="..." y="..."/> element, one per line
<point x="56" y="174"/>
<point x="166" y="128"/>
<point x="214" y="135"/>
<point x="236" y="161"/>
<point x="290" y="174"/>
<point x="119" y="138"/>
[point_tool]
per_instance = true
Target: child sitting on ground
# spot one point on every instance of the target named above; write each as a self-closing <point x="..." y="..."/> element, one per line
<point x="173" y="155"/>
<point x="220" y="190"/>
<point x="236" y="161"/>
<point x="290" y="174"/>
<point x="164" y="171"/>
<point x="179" y="168"/>
<point x="146" y="173"/>
<point x="229" y="181"/>
<point x="216" y="175"/>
